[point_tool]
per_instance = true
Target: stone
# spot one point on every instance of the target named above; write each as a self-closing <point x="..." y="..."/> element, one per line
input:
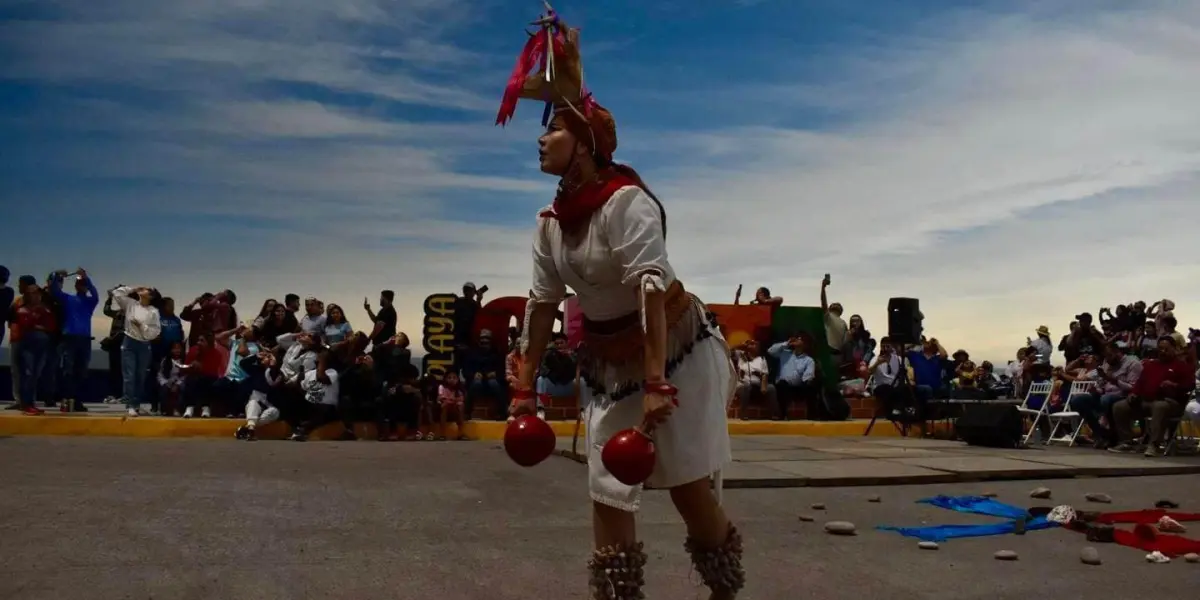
<point x="927" y="545"/>
<point x="1005" y="555"/>
<point x="989" y="494"/>
<point x="840" y="528"/>
<point x="875" y="499"/>
<point x="807" y="518"/>
<point x="1192" y="557"/>
<point x="1166" y="503"/>
<point x="1041" y="493"/>
<point x="1098" y="498"/>
<point x="1089" y="556"/>
<point x="818" y="506"/>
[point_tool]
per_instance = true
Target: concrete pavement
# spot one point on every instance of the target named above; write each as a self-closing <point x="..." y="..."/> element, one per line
<point x="100" y="519"/>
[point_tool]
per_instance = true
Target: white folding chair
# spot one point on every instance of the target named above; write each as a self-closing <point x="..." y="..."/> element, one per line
<point x="1035" y="389"/>
<point x="1067" y="417"/>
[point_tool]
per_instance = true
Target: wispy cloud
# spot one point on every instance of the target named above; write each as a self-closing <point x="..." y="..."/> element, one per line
<point x="1010" y="167"/>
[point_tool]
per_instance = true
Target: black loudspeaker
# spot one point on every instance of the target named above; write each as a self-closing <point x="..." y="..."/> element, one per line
<point x="990" y="425"/>
<point x="905" y="321"/>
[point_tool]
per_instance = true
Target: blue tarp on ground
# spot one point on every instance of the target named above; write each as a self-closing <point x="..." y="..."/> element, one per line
<point x="975" y="505"/>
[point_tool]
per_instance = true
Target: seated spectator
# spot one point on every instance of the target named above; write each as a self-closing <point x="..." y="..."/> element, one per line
<point x="401" y="404"/>
<point x="512" y="377"/>
<point x="556" y="377"/>
<point x="1116" y="377"/>
<point x="204" y="366"/>
<point x="1145" y="341"/>
<point x="316" y="405"/>
<point x="357" y="394"/>
<point x="482" y="368"/>
<point x="966" y="375"/>
<point x="1159" y="394"/>
<point x="858" y="349"/>
<point x="927" y="366"/>
<point x="1167" y="327"/>
<point x="797" y="376"/>
<point x="754" y="377"/>
<point x="884" y="371"/>
<point x="170" y="382"/>
<point x="1081" y="370"/>
<point x="264" y="377"/>
<point x="337" y="328"/>
<point x="231" y="391"/>
<point x="450" y="396"/>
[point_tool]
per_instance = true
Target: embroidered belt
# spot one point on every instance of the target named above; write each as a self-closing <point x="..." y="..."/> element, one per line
<point x="621" y="340"/>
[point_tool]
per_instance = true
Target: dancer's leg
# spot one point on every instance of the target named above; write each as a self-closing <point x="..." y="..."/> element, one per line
<point x="713" y="542"/>
<point x="617" y="565"/>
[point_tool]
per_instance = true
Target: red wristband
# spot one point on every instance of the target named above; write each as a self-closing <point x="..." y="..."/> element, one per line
<point x="662" y="388"/>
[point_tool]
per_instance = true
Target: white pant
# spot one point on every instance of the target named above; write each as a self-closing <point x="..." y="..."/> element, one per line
<point x="1192" y="412"/>
<point x="259" y="411"/>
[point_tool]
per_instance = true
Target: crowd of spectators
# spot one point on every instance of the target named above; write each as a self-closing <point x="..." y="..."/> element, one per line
<point x="299" y="362"/>
<point x="304" y="363"/>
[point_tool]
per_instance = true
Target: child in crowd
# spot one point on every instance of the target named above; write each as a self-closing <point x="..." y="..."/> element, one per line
<point x="170" y="382"/>
<point x="450" y="395"/>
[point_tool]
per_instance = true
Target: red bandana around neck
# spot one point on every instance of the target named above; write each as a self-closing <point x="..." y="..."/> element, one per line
<point x="572" y="211"/>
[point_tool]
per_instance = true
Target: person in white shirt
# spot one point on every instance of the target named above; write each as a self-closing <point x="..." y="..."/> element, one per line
<point x="313" y="321"/>
<point x="753" y="377"/>
<point x="321" y="393"/>
<point x="142" y="327"/>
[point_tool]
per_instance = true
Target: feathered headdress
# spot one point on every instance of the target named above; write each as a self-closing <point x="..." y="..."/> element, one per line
<point x="549" y="70"/>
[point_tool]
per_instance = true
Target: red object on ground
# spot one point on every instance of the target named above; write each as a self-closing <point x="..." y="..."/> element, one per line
<point x="529" y="440"/>
<point x="629" y="456"/>
<point x="1145" y="537"/>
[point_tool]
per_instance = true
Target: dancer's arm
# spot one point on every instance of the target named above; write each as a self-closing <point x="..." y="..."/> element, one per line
<point x="541" y="326"/>
<point x="547" y="292"/>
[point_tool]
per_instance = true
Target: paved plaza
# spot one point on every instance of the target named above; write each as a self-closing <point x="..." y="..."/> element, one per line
<point x="766" y="461"/>
<point x="164" y="519"/>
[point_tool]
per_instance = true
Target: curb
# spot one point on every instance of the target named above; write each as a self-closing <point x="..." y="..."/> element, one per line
<point x="174" y="427"/>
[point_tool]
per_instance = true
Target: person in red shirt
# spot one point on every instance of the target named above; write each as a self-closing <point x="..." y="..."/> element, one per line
<point x="204" y="366"/>
<point x="36" y="324"/>
<point x="1160" y="394"/>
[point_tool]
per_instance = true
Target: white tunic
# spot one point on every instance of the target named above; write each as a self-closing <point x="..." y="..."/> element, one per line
<point x="623" y="242"/>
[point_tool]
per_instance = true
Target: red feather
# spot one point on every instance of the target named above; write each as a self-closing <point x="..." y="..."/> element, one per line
<point x="529" y="58"/>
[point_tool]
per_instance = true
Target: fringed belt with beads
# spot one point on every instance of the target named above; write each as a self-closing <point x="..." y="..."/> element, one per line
<point x="614" y="350"/>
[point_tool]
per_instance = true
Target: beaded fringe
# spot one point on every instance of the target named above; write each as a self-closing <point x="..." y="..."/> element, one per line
<point x="619" y="380"/>
<point x="618" y="572"/>
<point x="721" y="568"/>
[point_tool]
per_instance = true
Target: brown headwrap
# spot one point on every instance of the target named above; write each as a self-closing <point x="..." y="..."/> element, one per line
<point x="598" y="132"/>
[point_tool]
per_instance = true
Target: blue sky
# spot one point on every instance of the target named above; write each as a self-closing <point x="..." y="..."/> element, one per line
<point x="1009" y="163"/>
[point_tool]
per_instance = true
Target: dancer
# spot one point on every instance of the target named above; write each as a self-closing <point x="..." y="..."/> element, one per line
<point x="652" y="355"/>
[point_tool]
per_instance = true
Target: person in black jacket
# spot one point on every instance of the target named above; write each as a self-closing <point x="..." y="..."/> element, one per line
<point x="483" y="370"/>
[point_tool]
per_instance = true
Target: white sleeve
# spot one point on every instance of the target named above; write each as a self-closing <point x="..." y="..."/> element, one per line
<point x="548" y="287"/>
<point x="635" y="233"/>
<point x="121" y="295"/>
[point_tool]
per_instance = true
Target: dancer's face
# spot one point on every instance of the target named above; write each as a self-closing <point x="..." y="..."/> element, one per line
<point x="555" y="148"/>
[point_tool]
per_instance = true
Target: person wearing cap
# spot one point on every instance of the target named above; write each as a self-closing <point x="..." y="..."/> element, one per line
<point x="653" y="357"/>
<point x="1086" y="339"/>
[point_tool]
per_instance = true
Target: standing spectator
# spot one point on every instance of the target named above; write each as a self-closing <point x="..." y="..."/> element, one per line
<point x="1086" y="339"/>
<point x="275" y="327"/>
<point x="7" y="297"/>
<point x="1160" y="310"/>
<point x="337" y="328"/>
<point x="291" y="305"/>
<point x="482" y="368"/>
<point x="1160" y="394"/>
<point x="1168" y="329"/>
<point x="48" y="388"/>
<point x="762" y="297"/>
<point x="1068" y="352"/>
<point x="111" y="345"/>
<point x="211" y="314"/>
<point x="35" y="322"/>
<point x="1043" y="349"/>
<point x="313" y="321"/>
<point x="172" y="333"/>
<point x="142" y="326"/>
<point x="1145" y="341"/>
<point x="835" y="327"/>
<point x="466" y="307"/>
<point x="16" y="369"/>
<point x="383" y="330"/>
<point x="859" y="349"/>
<point x="753" y="376"/>
<point x="78" y="309"/>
